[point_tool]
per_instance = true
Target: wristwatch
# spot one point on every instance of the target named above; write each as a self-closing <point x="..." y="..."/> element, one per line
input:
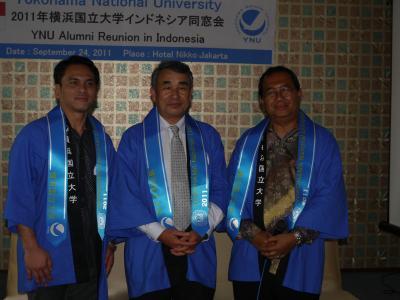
<point x="299" y="237"/>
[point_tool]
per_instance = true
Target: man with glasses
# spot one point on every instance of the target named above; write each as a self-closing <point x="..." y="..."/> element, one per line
<point x="287" y="197"/>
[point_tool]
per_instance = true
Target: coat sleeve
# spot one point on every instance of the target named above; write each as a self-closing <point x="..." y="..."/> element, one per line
<point x="218" y="182"/>
<point x="127" y="210"/>
<point x="326" y="209"/>
<point x="25" y="171"/>
<point x="218" y="174"/>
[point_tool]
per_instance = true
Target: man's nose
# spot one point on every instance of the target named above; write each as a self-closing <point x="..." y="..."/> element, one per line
<point x="175" y="92"/>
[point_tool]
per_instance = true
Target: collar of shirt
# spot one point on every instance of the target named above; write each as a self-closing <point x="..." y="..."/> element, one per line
<point x="165" y="126"/>
<point x="86" y="130"/>
<point x="293" y="132"/>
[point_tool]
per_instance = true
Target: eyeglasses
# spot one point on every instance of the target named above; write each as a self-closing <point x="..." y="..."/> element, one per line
<point x="283" y="91"/>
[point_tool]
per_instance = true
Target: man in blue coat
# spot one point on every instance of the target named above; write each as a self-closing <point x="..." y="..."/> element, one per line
<point x="58" y="192"/>
<point x="287" y="197"/>
<point x="169" y="194"/>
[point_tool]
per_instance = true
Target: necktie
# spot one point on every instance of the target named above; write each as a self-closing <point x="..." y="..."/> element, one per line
<point x="179" y="182"/>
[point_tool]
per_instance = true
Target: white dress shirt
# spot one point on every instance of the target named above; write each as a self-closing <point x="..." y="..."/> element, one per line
<point x="215" y="214"/>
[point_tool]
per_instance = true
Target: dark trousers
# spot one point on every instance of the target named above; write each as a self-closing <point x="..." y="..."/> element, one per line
<point x="272" y="290"/>
<point x="181" y="288"/>
<point x="187" y="290"/>
<point x="77" y="291"/>
<point x="271" y="287"/>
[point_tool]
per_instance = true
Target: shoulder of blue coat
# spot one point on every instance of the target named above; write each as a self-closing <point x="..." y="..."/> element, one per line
<point x="33" y="138"/>
<point x="108" y="137"/>
<point x="134" y="130"/>
<point x="132" y="137"/>
<point x="262" y="123"/>
<point x="208" y="131"/>
<point x="34" y="129"/>
<point x="324" y="134"/>
<point x="205" y="126"/>
<point x="321" y="131"/>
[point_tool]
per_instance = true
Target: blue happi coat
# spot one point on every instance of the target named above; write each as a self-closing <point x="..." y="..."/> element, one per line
<point x="27" y="201"/>
<point x="325" y="211"/>
<point x="133" y="206"/>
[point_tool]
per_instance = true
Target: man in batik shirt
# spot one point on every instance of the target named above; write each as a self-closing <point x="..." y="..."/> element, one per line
<point x="287" y="197"/>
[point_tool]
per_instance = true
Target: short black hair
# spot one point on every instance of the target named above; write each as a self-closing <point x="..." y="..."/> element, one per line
<point x="60" y="68"/>
<point x="174" y="65"/>
<point x="273" y="70"/>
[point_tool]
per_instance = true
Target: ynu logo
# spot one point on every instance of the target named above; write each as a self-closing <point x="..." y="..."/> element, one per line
<point x="252" y="23"/>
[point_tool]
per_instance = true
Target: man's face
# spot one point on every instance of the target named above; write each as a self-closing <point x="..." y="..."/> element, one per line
<point x="281" y="101"/>
<point x="78" y="90"/>
<point x="172" y="95"/>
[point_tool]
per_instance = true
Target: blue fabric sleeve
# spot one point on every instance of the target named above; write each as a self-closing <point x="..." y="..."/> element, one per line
<point x="218" y="183"/>
<point x="326" y="209"/>
<point x="26" y="165"/>
<point x="127" y="209"/>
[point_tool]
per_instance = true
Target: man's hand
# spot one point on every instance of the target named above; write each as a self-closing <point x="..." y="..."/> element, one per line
<point x="279" y="245"/>
<point x="193" y="238"/>
<point x="176" y="239"/>
<point x="110" y="257"/>
<point x="37" y="261"/>
<point x="260" y="241"/>
<point x="38" y="265"/>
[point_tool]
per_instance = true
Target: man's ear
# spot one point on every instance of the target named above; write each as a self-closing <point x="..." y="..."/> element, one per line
<point x="261" y="105"/>
<point x="300" y="94"/>
<point x="57" y="91"/>
<point x="153" y="95"/>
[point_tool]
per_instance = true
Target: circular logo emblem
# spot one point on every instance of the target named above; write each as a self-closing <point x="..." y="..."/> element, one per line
<point x="233" y="224"/>
<point x="167" y="222"/>
<point x="252" y="21"/>
<point x="199" y="218"/>
<point x="101" y="221"/>
<point x="57" y="229"/>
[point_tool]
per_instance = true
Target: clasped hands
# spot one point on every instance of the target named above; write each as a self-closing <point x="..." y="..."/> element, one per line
<point x="180" y="242"/>
<point x="274" y="246"/>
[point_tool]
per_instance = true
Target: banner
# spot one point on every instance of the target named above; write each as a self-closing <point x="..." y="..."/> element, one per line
<point x="221" y="31"/>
